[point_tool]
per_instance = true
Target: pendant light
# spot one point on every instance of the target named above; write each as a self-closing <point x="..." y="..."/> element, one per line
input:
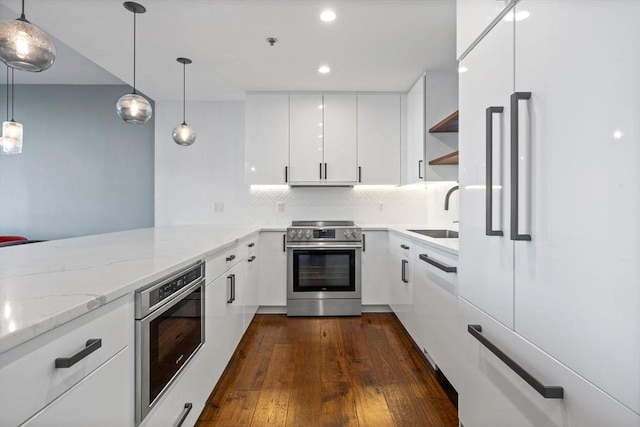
<point x="24" y="46"/>
<point x="183" y="134"/>
<point x="133" y="107"/>
<point x="11" y="130"/>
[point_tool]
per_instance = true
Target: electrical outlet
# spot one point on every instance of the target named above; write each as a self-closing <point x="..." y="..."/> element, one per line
<point x="279" y="206"/>
<point x="218" y="206"/>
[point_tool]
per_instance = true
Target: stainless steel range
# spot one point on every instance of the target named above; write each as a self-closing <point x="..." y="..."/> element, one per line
<point x="323" y="268"/>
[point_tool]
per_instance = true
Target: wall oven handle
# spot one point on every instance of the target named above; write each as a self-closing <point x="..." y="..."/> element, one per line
<point x="548" y="392"/>
<point x="91" y="346"/>
<point x="230" y="283"/>
<point x="404" y="270"/>
<point x="184" y="414"/>
<point x="515" y="231"/>
<point x="444" y="267"/>
<point x="489" y="231"/>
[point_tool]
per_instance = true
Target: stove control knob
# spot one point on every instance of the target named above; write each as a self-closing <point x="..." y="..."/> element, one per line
<point x="292" y="234"/>
<point x="347" y="233"/>
<point x="307" y="234"/>
<point x="300" y="234"/>
<point x="356" y="234"/>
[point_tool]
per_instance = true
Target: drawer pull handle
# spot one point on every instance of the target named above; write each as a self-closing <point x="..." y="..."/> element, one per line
<point x="548" y="392"/>
<point x="91" y="346"/>
<point x="444" y="267"/>
<point x="184" y="414"/>
<point x="404" y="246"/>
<point x="231" y="258"/>
<point x="251" y="245"/>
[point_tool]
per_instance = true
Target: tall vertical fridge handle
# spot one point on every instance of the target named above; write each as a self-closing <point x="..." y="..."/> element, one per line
<point x="489" y="231"/>
<point x="515" y="231"/>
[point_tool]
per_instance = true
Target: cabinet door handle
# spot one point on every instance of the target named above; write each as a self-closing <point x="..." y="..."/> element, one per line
<point x="90" y="346"/>
<point x="515" y="231"/>
<point x="286" y="174"/>
<point x="444" y="267"/>
<point x="364" y="243"/>
<point x="251" y="244"/>
<point x="251" y="259"/>
<point x="548" y="392"/>
<point x="184" y="414"/>
<point x="404" y="270"/>
<point x="325" y="171"/>
<point x="404" y="246"/>
<point x="359" y="173"/>
<point x="420" y="169"/>
<point x="231" y="258"/>
<point x="233" y="288"/>
<point x="284" y="243"/>
<point x="489" y="231"/>
<point x="230" y="283"/>
<point x="320" y="170"/>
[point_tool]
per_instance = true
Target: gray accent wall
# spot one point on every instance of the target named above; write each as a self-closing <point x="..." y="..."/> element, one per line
<point x="82" y="170"/>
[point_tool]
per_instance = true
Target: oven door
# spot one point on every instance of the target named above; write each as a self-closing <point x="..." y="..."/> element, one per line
<point x="323" y="271"/>
<point x="166" y="340"/>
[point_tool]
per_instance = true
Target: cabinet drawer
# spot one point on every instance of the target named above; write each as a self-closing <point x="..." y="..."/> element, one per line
<point x="223" y="261"/>
<point x="400" y="244"/>
<point x="29" y="379"/>
<point x="492" y="394"/>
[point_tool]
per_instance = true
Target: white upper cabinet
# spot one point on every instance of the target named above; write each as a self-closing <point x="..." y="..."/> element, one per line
<point x="379" y="130"/>
<point x="340" y="142"/>
<point x="414" y="167"/>
<point x="267" y="138"/>
<point x="306" y="138"/>
<point x="473" y="17"/>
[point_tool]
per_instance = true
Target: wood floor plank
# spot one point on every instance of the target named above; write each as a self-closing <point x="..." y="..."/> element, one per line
<point x="338" y="405"/>
<point x="334" y="371"/>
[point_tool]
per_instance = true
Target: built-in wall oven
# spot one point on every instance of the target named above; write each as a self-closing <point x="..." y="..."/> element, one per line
<point x="169" y="332"/>
<point x="324" y="268"/>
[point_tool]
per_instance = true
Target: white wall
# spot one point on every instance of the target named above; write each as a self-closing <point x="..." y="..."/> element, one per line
<point x="189" y="180"/>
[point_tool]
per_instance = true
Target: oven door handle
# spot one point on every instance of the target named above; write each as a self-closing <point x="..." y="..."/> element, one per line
<point x="323" y="247"/>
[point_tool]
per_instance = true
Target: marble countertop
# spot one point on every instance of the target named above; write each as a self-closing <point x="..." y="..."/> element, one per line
<point x="47" y="284"/>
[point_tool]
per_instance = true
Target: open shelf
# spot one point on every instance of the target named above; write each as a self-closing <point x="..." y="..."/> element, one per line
<point x="447" y="159"/>
<point x="448" y="124"/>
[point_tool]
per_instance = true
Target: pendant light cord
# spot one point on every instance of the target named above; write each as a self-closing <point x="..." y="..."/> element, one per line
<point x="134" y="52"/>
<point x="22" y="16"/>
<point x="13" y="94"/>
<point x="184" y="92"/>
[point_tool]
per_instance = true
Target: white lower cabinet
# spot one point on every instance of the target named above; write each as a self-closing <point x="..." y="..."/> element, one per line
<point x="31" y="384"/>
<point x="375" y="255"/>
<point x="102" y="399"/>
<point x="435" y="314"/>
<point x="400" y="287"/>
<point x="273" y="269"/>
<point x="490" y="393"/>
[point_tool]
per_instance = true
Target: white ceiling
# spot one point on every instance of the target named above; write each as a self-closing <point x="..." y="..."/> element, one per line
<point x="373" y="45"/>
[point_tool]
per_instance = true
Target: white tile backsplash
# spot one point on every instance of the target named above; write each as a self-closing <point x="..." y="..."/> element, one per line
<point x="189" y="180"/>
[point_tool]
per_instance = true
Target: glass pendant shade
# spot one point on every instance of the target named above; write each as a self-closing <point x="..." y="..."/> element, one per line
<point x="25" y="47"/>
<point x="11" y="137"/>
<point x="183" y="134"/>
<point x="134" y="108"/>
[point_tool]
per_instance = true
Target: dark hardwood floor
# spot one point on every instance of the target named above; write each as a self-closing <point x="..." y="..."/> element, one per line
<point x="328" y="371"/>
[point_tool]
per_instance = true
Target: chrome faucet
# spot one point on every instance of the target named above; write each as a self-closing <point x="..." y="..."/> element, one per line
<point x="446" y="198"/>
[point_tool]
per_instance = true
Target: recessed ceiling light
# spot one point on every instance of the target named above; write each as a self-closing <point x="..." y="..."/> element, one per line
<point x="328" y="16"/>
<point x="324" y="69"/>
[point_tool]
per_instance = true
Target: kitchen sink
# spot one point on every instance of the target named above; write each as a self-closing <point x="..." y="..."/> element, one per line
<point x="438" y="234"/>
